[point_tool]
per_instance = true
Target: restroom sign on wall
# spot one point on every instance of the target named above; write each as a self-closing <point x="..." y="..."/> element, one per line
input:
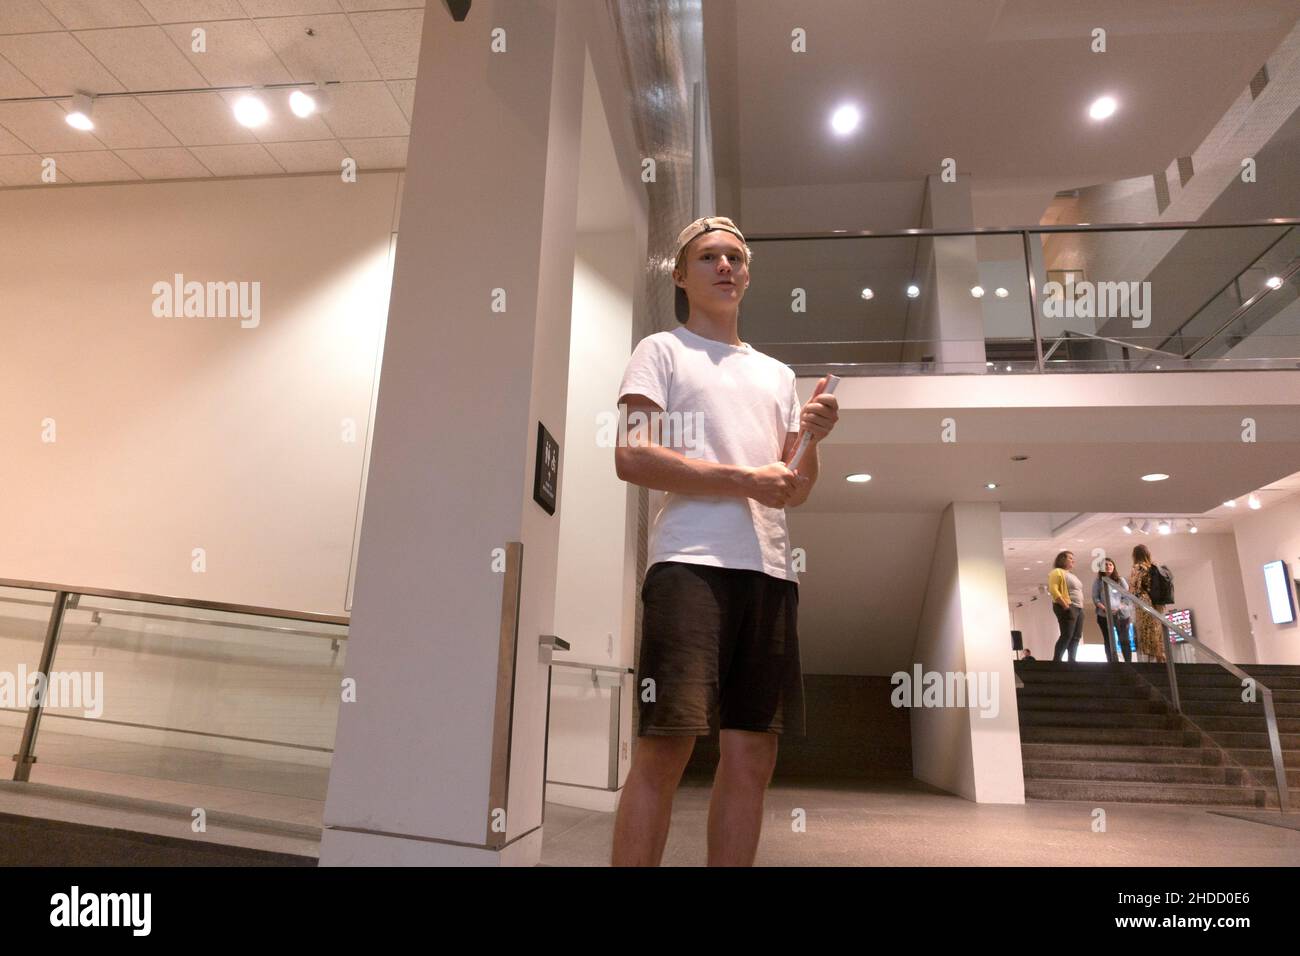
<point x="547" y="473"/>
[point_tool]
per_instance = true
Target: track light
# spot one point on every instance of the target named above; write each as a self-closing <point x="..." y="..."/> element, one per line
<point x="1230" y="503"/>
<point x="1191" y="527"/>
<point x="1165" y="527"/>
<point x="79" y="116"/>
<point x="1274" y="282"/>
<point x="306" y="102"/>
<point x="1128" y="526"/>
<point x="1253" y="501"/>
<point x="250" y="111"/>
<point x="1145" y="528"/>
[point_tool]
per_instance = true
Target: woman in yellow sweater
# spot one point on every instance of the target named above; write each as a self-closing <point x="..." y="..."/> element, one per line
<point x="1067" y="604"/>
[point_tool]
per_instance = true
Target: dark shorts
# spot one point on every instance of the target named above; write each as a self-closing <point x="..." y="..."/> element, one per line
<point x="719" y="642"/>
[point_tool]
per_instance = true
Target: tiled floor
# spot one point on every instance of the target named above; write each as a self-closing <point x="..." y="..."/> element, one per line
<point x="860" y="824"/>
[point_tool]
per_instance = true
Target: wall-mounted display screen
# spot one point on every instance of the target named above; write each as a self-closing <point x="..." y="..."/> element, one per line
<point x="1183" y="618"/>
<point x="1278" y="583"/>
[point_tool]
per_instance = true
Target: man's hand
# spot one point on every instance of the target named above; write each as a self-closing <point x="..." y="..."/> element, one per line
<point x="773" y="485"/>
<point x="820" y="415"/>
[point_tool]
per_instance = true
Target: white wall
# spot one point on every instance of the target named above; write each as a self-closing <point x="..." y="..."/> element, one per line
<point x="179" y="433"/>
<point x="1263" y="536"/>
<point x="593" y="609"/>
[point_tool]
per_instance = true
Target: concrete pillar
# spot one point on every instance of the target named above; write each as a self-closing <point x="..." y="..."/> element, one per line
<point x="447" y="734"/>
<point x="972" y="750"/>
<point x="954" y="319"/>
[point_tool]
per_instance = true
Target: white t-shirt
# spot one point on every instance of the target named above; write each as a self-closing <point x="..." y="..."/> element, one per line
<point x="727" y="404"/>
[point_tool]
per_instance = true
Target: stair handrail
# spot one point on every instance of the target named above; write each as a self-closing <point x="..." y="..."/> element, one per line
<point x="1266" y="695"/>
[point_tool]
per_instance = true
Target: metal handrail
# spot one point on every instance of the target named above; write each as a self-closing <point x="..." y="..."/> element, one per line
<point x="179" y="602"/>
<point x="1266" y="695"/>
<point x="1238" y="312"/>
<point x="1103" y="338"/>
<point x="1016" y="230"/>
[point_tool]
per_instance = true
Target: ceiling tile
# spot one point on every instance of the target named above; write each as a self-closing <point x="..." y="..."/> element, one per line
<point x="142" y="58"/>
<point x="392" y="39"/>
<point x="13" y="83"/>
<point x="122" y="123"/>
<point x="352" y="5"/>
<point x="26" y="170"/>
<point x="322" y="156"/>
<point x="197" y="119"/>
<point x="96" y="166"/>
<point x="288" y="8"/>
<point x="89" y="14"/>
<point x="382" y="153"/>
<point x="365" y="110"/>
<point x="251" y="160"/>
<point x="11" y="144"/>
<point x="183" y="11"/>
<point x="41" y="125"/>
<point x="404" y="92"/>
<point x="26" y="16"/>
<point x="283" y="126"/>
<point x="57" y="63"/>
<point x="334" y="52"/>
<point x="236" y="53"/>
<point x="176" y="163"/>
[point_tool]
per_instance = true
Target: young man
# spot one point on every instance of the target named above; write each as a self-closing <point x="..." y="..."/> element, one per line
<point x="720" y="596"/>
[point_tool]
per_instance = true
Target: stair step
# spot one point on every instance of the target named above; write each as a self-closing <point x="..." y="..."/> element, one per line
<point x="1281" y="698"/>
<point x="1104" y="791"/>
<point x="1086" y="718"/>
<point x="1036" y="734"/>
<point x="1263" y="757"/>
<point x="1107" y="705"/>
<point x="1128" y="753"/>
<point x="1087" y="689"/>
<point x="1135" y="772"/>
<point x="1255" y="740"/>
<point x="1214" y="723"/>
<point x="1237" y="708"/>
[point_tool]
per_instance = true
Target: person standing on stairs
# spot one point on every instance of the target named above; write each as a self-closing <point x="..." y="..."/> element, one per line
<point x="1067" y="603"/>
<point x="1150" y="630"/>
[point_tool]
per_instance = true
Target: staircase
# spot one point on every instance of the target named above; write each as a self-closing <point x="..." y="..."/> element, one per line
<point x="1107" y="733"/>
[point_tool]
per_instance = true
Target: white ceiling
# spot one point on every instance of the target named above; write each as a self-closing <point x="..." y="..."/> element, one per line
<point x="55" y="47"/>
<point x="1002" y="86"/>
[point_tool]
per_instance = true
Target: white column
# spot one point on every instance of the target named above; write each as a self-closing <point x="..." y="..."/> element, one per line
<point x="489" y="210"/>
<point x="965" y="628"/>
<point x="956" y="318"/>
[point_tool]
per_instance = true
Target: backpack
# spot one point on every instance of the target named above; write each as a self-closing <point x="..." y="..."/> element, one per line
<point x="1162" y="585"/>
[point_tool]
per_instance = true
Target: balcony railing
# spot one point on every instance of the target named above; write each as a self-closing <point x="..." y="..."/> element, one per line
<point x="1081" y="298"/>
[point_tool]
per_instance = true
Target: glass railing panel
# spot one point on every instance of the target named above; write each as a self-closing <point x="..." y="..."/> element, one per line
<point x="24" y="617"/>
<point x="891" y="304"/>
<point x="191" y="696"/>
<point x="1140" y="300"/>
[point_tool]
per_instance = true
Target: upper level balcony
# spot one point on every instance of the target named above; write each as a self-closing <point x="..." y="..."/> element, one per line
<point x="1143" y="297"/>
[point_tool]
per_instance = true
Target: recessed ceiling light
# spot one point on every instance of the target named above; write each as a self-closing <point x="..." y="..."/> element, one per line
<point x="1274" y="282"/>
<point x="913" y="291"/>
<point x="1000" y="292"/>
<point x="868" y="294"/>
<point x="990" y="486"/>
<point x="1155" y="476"/>
<point x="977" y="291"/>
<point x="250" y="111"/>
<point x="1102" y="107"/>
<point x="845" y="120"/>
<point x="858" y="479"/>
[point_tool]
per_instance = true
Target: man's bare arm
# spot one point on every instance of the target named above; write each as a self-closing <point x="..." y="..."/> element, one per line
<point x="643" y="461"/>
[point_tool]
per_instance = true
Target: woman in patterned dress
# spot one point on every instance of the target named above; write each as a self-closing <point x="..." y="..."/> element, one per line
<point x="1150" y="630"/>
